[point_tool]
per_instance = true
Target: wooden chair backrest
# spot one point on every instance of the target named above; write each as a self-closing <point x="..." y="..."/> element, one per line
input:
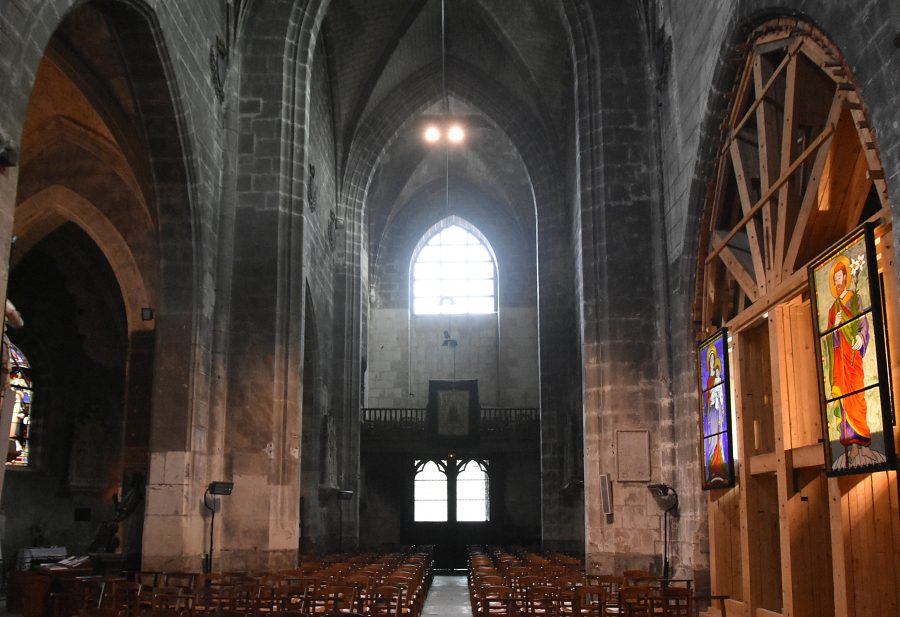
<point x="591" y="601"/>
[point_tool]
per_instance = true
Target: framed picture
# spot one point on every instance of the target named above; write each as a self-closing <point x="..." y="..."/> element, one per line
<point x="854" y="390"/>
<point x="453" y="411"/>
<point x="716" y="456"/>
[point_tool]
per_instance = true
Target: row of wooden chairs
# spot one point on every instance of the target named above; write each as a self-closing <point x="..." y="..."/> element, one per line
<point x="506" y="584"/>
<point x="391" y="585"/>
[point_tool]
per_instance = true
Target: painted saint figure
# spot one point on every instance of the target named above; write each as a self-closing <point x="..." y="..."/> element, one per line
<point x="714" y="405"/>
<point x="844" y="350"/>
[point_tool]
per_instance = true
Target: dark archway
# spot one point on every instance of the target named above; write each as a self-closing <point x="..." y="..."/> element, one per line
<point x="75" y="336"/>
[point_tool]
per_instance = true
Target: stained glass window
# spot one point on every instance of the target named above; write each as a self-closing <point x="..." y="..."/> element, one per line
<point x="454" y="272"/>
<point x="717" y="461"/>
<point x="430" y="492"/>
<point x="472" y="493"/>
<point x="23" y="390"/>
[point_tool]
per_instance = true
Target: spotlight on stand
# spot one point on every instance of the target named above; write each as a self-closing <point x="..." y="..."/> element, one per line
<point x="667" y="497"/>
<point x="660" y="490"/>
<point x="218" y="487"/>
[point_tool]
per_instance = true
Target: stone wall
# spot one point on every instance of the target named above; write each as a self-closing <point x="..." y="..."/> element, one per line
<point x="319" y="468"/>
<point x="407" y="351"/>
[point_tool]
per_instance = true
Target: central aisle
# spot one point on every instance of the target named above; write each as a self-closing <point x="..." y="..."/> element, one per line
<point x="448" y="597"/>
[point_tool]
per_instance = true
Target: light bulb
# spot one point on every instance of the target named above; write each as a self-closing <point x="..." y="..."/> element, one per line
<point x="455" y="134"/>
<point x="432" y="134"/>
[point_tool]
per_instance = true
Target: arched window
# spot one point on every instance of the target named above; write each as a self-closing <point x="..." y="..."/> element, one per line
<point x="454" y="271"/>
<point x="20" y="428"/>
<point x="472" y="503"/>
<point x="430" y="492"/>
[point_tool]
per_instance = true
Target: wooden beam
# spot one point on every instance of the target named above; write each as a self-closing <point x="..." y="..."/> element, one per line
<point x="741" y="434"/>
<point x="792" y="285"/>
<point x="762" y="463"/>
<point x="740" y="273"/>
<point x="784" y="467"/>
<point x="737" y="163"/>
<point x="768" y="160"/>
<point x="823" y="136"/>
<point x="795" y="47"/>
<point x="787" y="153"/>
<point x="809" y="456"/>
<point x="812" y="191"/>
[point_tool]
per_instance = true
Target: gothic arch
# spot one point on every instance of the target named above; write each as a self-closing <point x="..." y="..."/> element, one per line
<point x="46" y="210"/>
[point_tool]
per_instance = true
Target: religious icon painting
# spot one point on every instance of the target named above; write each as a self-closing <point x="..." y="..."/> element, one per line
<point x="716" y="456"/>
<point x="853" y="380"/>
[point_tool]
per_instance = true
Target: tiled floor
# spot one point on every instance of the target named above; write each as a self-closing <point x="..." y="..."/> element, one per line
<point x="448" y="597"/>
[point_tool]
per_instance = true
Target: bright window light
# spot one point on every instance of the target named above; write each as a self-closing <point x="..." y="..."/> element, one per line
<point x="454" y="273"/>
<point x="472" y="503"/>
<point x="430" y="493"/>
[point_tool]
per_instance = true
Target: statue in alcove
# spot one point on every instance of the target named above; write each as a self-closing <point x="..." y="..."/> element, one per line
<point x="106" y="540"/>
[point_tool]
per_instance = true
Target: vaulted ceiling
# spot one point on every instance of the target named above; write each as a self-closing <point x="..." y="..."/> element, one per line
<point x="508" y="81"/>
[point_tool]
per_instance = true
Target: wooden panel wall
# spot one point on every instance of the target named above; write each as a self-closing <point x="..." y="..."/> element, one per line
<point x="725" y="542"/>
<point x="810" y="540"/>
<point x="788" y="540"/>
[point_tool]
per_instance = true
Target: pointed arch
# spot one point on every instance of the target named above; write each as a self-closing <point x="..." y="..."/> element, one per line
<point x="46" y="210"/>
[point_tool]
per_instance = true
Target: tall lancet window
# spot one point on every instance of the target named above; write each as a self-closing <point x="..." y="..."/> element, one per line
<point x="454" y="271"/>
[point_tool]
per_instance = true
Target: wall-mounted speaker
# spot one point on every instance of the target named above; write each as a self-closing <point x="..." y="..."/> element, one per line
<point x="605" y="498"/>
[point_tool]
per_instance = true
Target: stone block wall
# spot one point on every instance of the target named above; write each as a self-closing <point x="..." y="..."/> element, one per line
<point x="405" y="352"/>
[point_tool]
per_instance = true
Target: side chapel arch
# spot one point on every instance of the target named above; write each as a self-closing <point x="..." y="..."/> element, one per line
<point x="42" y="212"/>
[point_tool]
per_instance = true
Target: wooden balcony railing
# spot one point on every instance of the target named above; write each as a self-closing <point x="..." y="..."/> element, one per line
<point x="497" y="423"/>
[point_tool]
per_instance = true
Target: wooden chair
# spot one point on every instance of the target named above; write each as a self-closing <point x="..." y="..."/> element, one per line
<point x="185" y="580"/>
<point x="496" y="601"/>
<point x="171" y="598"/>
<point x="639" y="578"/>
<point x="522" y="584"/>
<point x="674" y="602"/>
<point x="245" y="597"/>
<point x="92" y="588"/>
<point x="212" y="600"/>
<point x="363" y="585"/>
<point x="408" y="589"/>
<point x="386" y="601"/>
<point x="291" y="598"/>
<point x="570" y="581"/>
<point x="541" y="601"/>
<point x="167" y="612"/>
<point x="339" y="599"/>
<point x="636" y="601"/>
<point x="123" y="595"/>
<point x="100" y="612"/>
<point x="590" y="601"/>
<point x="149" y="579"/>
